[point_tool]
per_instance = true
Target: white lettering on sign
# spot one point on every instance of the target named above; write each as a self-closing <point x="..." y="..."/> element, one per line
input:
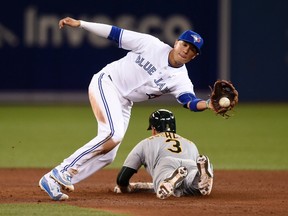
<point x="41" y="30"/>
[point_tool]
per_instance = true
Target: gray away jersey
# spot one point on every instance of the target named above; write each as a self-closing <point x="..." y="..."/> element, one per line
<point x="149" y="151"/>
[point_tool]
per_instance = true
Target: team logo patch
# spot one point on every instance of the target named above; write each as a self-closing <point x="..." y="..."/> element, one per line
<point x="196" y="38"/>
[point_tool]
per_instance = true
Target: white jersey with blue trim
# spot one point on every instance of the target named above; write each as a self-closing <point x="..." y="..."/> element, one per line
<point x="144" y="73"/>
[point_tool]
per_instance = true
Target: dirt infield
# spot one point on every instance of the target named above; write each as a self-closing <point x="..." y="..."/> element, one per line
<point x="234" y="193"/>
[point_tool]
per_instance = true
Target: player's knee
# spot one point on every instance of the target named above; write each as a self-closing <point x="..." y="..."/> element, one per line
<point x="111" y="143"/>
<point x="114" y="135"/>
<point x="117" y="137"/>
<point x="111" y="137"/>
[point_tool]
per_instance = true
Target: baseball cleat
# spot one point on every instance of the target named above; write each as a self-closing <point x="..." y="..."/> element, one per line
<point x="63" y="178"/>
<point x="52" y="188"/>
<point x="205" y="170"/>
<point x="168" y="186"/>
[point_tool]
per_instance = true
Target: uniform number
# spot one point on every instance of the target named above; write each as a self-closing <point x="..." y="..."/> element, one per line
<point x="176" y="147"/>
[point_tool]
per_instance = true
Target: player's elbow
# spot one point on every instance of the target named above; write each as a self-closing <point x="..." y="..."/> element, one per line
<point x="124" y="176"/>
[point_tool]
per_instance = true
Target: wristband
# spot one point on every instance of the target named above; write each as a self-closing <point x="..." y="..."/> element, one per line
<point x="207" y="104"/>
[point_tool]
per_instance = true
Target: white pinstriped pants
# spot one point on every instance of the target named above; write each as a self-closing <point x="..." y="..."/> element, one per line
<point x="116" y="112"/>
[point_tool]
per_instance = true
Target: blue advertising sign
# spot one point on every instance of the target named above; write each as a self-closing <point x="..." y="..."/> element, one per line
<point x="259" y="51"/>
<point x="37" y="56"/>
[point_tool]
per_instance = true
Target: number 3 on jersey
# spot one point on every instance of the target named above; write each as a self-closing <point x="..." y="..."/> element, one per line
<point x="176" y="145"/>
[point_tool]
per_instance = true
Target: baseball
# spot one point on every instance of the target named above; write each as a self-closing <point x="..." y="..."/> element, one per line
<point x="224" y="102"/>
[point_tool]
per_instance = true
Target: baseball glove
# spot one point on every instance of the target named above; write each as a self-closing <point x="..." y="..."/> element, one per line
<point x="223" y="88"/>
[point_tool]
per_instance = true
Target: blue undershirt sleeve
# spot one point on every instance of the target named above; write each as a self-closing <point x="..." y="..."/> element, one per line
<point x="188" y="97"/>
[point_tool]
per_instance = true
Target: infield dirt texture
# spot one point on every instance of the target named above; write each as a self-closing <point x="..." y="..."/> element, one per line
<point x="234" y="193"/>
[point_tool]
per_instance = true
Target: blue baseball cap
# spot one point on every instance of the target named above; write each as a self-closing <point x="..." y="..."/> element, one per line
<point x="193" y="38"/>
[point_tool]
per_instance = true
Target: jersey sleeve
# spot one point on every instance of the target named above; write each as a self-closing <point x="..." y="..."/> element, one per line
<point x="136" y="157"/>
<point x="99" y="29"/>
<point x="126" y="39"/>
<point x="182" y="84"/>
<point x="136" y="41"/>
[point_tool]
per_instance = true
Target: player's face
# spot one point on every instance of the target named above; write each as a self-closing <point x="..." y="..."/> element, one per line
<point x="183" y="52"/>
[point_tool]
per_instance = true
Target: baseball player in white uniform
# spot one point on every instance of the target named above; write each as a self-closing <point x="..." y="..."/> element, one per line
<point x="172" y="161"/>
<point x="150" y="69"/>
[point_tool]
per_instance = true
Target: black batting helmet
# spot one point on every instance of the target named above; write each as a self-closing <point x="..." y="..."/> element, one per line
<point x="163" y="121"/>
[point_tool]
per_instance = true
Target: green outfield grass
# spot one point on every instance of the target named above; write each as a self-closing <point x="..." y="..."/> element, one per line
<point x="50" y="210"/>
<point x="42" y="136"/>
